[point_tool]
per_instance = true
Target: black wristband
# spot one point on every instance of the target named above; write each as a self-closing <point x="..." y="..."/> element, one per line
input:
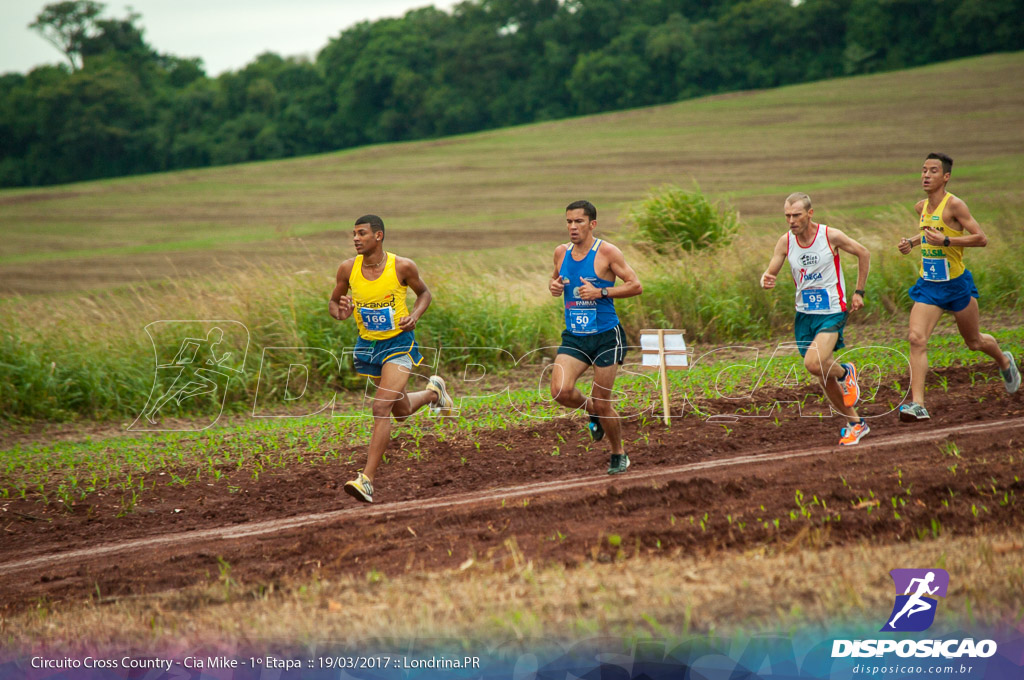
<point x="859" y="291"/>
<point x="946" y="242"/>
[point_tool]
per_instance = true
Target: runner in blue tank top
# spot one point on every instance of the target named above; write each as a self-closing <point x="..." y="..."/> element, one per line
<point x="584" y="275"/>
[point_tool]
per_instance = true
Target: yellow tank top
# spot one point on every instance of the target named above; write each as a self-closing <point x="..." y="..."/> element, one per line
<point x="939" y="263"/>
<point x="378" y="304"/>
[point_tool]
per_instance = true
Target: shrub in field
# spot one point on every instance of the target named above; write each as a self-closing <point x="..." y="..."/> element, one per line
<point x="672" y="217"/>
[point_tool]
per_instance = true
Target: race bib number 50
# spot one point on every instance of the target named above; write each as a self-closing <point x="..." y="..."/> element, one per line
<point x="581" y="321"/>
<point x="382" y="319"/>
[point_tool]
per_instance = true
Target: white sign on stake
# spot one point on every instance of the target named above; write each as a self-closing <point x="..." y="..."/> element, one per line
<point x="664" y="349"/>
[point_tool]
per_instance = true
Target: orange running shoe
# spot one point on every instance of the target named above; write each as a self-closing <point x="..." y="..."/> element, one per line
<point x="849" y="386"/>
<point x="852" y="433"/>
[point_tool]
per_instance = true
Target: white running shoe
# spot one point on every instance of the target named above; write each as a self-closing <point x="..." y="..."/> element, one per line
<point x="1011" y="383"/>
<point x="444" y="403"/>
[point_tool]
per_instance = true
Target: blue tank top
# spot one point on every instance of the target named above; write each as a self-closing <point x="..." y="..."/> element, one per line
<point x="586" y="317"/>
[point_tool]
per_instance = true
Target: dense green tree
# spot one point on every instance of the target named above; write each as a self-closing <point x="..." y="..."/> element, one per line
<point x="67" y="26"/>
<point x="120" y="107"/>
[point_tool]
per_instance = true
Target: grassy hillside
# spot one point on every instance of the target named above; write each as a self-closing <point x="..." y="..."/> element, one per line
<point x="854" y="144"/>
<point x="259" y="244"/>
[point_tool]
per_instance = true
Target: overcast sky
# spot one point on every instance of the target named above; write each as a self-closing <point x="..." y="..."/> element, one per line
<point x="226" y="34"/>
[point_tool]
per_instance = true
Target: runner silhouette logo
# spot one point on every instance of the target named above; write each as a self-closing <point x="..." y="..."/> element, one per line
<point x="915" y="606"/>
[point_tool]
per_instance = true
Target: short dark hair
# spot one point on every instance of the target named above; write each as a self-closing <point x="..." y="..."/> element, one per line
<point x="586" y="206"/>
<point x="376" y="223"/>
<point x="947" y="162"/>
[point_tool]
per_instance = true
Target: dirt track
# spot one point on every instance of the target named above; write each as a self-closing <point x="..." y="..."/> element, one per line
<point x="698" y="486"/>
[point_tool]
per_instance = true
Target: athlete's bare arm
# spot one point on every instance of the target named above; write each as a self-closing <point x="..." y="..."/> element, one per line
<point x="409" y="275"/>
<point x="775" y="264"/>
<point x="555" y="285"/>
<point x="340" y="306"/>
<point x="610" y="260"/>
<point x="841" y="241"/>
<point x="956" y="211"/>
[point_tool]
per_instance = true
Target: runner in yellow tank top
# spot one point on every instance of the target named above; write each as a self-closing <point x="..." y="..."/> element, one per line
<point x="378" y="303"/>
<point x="946" y="227"/>
<point x="386" y="350"/>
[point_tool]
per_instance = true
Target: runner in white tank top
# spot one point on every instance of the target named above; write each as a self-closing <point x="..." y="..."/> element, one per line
<point x="813" y="253"/>
<point x="817" y="274"/>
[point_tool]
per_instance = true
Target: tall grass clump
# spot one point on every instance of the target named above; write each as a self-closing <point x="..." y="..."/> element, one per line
<point x="671" y="217"/>
<point x="93" y="358"/>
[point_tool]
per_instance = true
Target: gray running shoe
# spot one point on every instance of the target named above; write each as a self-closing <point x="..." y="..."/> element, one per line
<point x="444" y="403"/>
<point x="360" y="488"/>
<point x="620" y="463"/>
<point x="913" y="412"/>
<point x="1011" y="377"/>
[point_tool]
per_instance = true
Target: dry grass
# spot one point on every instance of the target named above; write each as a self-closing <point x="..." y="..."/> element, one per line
<point x="854" y="144"/>
<point x="789" y="587"/>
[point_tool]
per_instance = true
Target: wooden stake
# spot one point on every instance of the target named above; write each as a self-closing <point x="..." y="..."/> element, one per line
<point x="663" y="369"/>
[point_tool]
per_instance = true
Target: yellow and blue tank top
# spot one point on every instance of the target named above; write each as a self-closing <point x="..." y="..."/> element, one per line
<point x="378" y="304"/>
<point x="586" y="317"/>
<point x="939" y="263"/>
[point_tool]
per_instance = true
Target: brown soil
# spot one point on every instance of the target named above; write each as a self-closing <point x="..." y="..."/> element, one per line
<point x="698" y="486"/>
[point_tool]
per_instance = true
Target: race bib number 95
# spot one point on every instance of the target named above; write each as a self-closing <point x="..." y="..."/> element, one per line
<point x="815" y="299"/>
<point x="382" y="319"/>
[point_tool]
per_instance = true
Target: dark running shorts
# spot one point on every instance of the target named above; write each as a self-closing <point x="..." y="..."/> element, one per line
<point x="601" y="349"/>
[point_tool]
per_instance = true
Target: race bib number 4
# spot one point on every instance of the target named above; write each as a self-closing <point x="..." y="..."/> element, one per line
<point x="815" y="299"/>
<point x="382" y="319"/>
<point x="935" y="268"/>
<point x="581" y="321"/>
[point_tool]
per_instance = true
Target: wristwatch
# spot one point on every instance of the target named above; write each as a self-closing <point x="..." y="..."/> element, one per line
<point x="604" y="292"/>
<point x="859" y="291"/>
<point x="946" y="242"/>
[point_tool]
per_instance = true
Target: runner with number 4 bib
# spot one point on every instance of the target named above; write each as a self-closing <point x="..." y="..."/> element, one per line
<point x="386" y="350"/>
<point x="821" y="310"/>
<point x="946" y="228"/>
<point x="584" y="275"/>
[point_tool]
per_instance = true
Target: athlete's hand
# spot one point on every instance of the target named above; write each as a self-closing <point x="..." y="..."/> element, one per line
<point x="407" y="323"/>
<point x="768" y="281"/>
<point x="342" y="309"/>
<point x="905" y="246"/>
<point x="588" y="291"/>
<point x="556" y="285"/>
<point x="856" y="303"/>
<point x="933" y="236"/>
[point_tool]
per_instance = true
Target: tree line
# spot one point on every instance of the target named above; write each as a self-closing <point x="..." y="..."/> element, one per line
<point x="119" y="107"/>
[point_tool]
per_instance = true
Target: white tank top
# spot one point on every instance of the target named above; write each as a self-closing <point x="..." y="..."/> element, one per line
<point x="817" y="274"/>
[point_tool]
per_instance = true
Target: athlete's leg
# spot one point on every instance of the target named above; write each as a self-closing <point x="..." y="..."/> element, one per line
<point x="967" y="322"/>
<point x="820" y="362"/>
<point x="410" y="402"/>
<point x="564" y="374"/>
<point x="390" y="390"/>
<point x="601" y="402"/>
<point x="923" y="318"/>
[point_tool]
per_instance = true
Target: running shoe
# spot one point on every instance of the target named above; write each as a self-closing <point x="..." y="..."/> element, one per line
<point x="360" y="488"/>
<point x="620" y="463"/>
<point x="852" y="433"/>
<point x="1011" y="376"/>
<point x="913" y="412"/>
<point x="444" y="403"/>
<point x="849" y="386"/>
<point x="596" y="431"/>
